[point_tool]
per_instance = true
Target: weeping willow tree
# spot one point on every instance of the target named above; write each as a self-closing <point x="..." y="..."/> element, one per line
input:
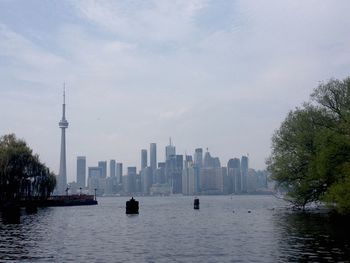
<point x="22" y="175"/>
<point x="311" y="150"/>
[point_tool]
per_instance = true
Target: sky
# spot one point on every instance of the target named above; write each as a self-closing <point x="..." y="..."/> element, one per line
<point x="212" y="74"/>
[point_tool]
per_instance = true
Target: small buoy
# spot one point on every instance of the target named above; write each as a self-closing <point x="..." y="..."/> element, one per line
<point x="196" y="203"/>
<point x="132" y="206"/>
<point x="233" y="211"/>
<point x="249" y="211"/>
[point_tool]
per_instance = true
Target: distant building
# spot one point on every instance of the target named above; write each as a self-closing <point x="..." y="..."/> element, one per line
<point x="146" y="179"/>
<point x="153" y="156"/>
<point x="160" y="174"/>
<point x="81" y="171"/>
<point x="211" y="162"/>
<point x="119" y="173"/>
<point x="169" y="150"/>
<point x="103" y="166"/>
<point x="190" y="177"/>
<point x="112" y="168"/>
<point x="211" y="180"/>
<point x="244" y="170"/>
<point x="94" y="174"/>
<point x="131" y="186"/>
<point x="198" y="157"/>
<point x="173" y="170"/>
<point x="234" y="173"/>
<point x="143" y="158"/>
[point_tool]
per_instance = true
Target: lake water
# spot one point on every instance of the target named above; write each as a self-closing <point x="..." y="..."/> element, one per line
<point x="169" y="230"/>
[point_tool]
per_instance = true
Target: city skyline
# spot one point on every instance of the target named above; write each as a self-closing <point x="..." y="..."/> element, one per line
<point x="176" y="174"/>
<point x="216" y="74"/>
<point x="138" y="164"/>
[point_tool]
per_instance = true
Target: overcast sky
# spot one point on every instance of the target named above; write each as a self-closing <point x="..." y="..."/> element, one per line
<point x="217" y="74"/>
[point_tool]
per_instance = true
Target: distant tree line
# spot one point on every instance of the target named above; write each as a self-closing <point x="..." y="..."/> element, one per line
<point x="311" y="149"/>
<point x="22" y="175"/>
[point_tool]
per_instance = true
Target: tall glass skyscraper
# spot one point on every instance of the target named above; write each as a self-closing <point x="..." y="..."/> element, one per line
<point x="143" y="158"/>
<point x="112" y="168"/>
<point x="153" y="156"/>
<point x="169" y="150"/>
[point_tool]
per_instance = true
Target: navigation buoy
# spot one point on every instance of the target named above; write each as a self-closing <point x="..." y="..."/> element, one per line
<point x="132" y="206"/>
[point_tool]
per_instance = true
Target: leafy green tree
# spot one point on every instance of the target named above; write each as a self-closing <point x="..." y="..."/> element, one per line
<point x="311" y="150"/>
<point x="22" y="174"/>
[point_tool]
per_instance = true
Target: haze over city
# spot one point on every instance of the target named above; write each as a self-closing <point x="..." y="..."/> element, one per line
<point x="216" y="74"/>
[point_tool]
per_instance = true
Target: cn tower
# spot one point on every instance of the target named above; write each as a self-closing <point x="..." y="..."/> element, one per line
<point x="63" y="124"/>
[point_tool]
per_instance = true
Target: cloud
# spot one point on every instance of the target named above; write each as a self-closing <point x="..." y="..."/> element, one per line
<point x="153" y="20"/>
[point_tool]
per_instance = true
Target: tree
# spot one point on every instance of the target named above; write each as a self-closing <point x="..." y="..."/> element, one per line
<point x="22" y="174"/>
<point x="311" y="150"/>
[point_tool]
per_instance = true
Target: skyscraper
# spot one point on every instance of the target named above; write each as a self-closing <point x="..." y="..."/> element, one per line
<point x="198" y="157"/>
<point x="103" y="166"/>
<point x="234" y="172"/>
<point x="173" y="170"/>
<point x="153" y="156"/>
<point x="244" y="169"/>
<point x="94" y="175"/>
<point x="119" y="173"/>
<point x="81" y="171"/>
<point x="62" y="175"/>
<point x="169" y="150"/>
<point x="112" y="168"/>
<point x="131" y="180"/>
<point x="143" y="158"/>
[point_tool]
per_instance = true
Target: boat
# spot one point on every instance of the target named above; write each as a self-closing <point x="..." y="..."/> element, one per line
<point x="132" y="206"/>
<point x="196" y="203"/>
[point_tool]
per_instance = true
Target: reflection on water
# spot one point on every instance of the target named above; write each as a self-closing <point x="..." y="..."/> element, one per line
<point x="10" y="215"/>
<point x="168" y="229"/>
<point x="313" y="236"/>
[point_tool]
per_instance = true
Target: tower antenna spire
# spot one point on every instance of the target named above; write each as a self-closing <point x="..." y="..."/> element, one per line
<point x="64" y="92"/>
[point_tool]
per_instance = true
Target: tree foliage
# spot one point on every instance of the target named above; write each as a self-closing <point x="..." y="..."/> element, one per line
<point x="22" y="175"/>
<point x="311" y="150"/>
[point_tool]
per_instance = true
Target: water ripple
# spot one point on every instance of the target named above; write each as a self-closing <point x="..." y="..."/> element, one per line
<point x="169" y="230"/>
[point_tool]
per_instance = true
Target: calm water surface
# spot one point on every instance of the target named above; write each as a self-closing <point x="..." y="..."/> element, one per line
<point x="169" y="230"/>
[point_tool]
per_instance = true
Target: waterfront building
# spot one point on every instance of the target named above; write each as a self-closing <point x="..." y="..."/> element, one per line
<point x="131" y="180"/>
<point x="112" y="168"/>
<point x="244" y="171"/>
<point x="143" y="158"/>
<point x="62" y="175"/>
<point x="94" y="174"/>
<point x="211" y="180"/>
<point x="103" y="166"/>
<point x="169" y="150"/>
<point x="227" y="183"/>
<point x="233" y="183"/>
<point x="234" y="172"/>
<point x="81" y="171"/>
<point x="185" y="181"/>
<point x="146" y="179"/>
<point x="110" y="185"/>
<point x="173" y="170"/>
<point x="190" y="177"/>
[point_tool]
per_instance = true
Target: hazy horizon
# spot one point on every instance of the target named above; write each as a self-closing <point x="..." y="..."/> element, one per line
<point x="216" y="74"/>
